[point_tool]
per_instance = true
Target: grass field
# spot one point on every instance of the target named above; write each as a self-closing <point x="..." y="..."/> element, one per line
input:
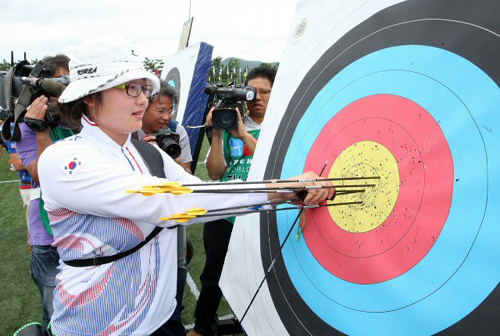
<point x="20" y="298"/>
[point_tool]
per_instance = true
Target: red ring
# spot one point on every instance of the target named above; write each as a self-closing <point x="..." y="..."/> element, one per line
<point x="426" y="173"/>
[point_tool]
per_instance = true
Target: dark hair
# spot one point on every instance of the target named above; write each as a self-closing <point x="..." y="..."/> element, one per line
<point x="166" y="90"/>
<point x="72" y="112"/>
<point x="261" y="72"/>
<point x="56" y="62"/>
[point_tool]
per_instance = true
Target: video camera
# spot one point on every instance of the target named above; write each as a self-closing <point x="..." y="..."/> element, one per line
<point x="169" y="142"/>
<point x="224" y="116"/>
<point x="22" y="84"/>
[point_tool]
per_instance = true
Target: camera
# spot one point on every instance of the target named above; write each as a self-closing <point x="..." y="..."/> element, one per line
<point x="225" y="114"/>
<point x="22" y="84"/>
<point x="169" y="142"/>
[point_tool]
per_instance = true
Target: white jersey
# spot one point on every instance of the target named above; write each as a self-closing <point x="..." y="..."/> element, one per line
<point x="84" y="179"/>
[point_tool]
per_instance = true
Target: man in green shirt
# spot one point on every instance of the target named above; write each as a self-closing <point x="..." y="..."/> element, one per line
<point x="229" y="158"/>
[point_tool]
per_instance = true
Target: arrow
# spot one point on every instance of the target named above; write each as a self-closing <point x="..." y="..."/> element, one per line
<point x="283" y="181"/>
<point x="200" y="212"/>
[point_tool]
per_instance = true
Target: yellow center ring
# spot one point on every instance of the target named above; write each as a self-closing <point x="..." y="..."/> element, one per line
<point x="366" y="158"/>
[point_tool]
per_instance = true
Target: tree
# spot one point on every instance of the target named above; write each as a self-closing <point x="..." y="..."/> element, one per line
<point x="234" y="67"/>
<point x="153" y="65"/>
<point x="233" y="63"/>
<point x="216" y="63"/>
<point x="216" y="69"/>
<point x="4" y="66"/>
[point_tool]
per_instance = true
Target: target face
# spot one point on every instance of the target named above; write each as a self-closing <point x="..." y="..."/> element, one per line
<point x="399" y="99"/>
<point x="173" y="78"/>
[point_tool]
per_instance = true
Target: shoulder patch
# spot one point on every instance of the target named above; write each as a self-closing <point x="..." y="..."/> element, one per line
<point x="72" y="166"/>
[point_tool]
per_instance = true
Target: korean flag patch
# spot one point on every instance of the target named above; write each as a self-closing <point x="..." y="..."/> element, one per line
<point x="72" y="167"/>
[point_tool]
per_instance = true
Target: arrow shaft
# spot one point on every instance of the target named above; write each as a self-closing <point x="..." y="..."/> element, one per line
<point x="273" y="203"/>
<point x="249" y="206"/>
<point x="283" y="181"/>
<point x="280" y="189"/>
<point x="277" y="209"/>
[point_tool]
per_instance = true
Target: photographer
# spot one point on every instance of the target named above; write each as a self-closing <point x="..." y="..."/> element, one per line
<point x="229" y="158"/>
<point x="44" y="257"/>
<point x="158" y="117"/>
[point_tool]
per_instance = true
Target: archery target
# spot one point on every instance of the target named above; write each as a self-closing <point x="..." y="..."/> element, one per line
<point x="187" y="72"/>
<point x="404" y="96"/>
<point x="173" y="78"/>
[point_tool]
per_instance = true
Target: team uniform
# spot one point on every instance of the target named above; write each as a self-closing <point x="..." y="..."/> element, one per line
<point x="185" y="157"/>
<point x="92" y="216"/>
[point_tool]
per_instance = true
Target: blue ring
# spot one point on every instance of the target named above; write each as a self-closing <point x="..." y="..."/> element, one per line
<point x="387" y="71"/>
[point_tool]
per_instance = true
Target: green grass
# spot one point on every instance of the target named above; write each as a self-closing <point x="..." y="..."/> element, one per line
<point x="195" y="234"/>
<point x="19" y="297"/>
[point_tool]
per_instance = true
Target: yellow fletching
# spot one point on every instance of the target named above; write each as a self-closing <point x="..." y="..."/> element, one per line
<point x="180" y="215"/>
<point x="185" y="216"/>
<point x="196" y="211"/>
<point x="149" y="189"/>
<point x="147" y="193"/>
<point x="166" y="190"/>
<point x="170" y="185"/>
<point x="181" y="191"/>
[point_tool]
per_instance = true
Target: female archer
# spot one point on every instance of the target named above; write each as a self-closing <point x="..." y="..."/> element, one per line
<point x="84" y="179"/>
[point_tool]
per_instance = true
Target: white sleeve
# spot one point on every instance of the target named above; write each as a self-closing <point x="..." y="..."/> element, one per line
<point x="185" y="146"/>
<point x="97" y="186"/>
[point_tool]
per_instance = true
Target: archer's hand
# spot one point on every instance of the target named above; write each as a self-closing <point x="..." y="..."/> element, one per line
<point x="314" y="196"/>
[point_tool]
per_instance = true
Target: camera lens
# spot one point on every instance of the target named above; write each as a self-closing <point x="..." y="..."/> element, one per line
<point x="169" y="145"/>
<point x="173" y="150"/>
<point x="225" y="119"/>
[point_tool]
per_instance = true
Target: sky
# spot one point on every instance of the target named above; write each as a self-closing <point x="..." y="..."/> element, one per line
<point x="249" y="29"/>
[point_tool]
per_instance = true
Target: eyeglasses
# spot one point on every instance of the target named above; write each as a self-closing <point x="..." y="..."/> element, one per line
<point x="135" y="89"/>
<point x="165" y="111"/>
